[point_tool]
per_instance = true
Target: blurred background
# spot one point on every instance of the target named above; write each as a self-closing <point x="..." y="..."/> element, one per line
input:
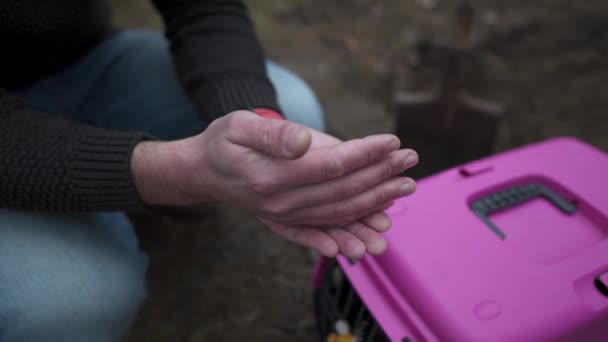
<point x="455" y="80"/>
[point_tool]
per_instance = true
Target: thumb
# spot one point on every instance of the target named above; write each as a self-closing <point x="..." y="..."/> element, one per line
<point x="277" y="138"/>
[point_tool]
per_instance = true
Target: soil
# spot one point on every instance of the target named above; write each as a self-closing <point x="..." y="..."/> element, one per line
<point x="224" y="277"/>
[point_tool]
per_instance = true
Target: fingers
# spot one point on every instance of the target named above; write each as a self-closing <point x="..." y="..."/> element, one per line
<point x="308" y="237"/>
<point x="356" y="239"/>
<point x="320" y="139"/>
<point x="348" y="244"/>
<point x="360" y="206"/>
<point x="352" y="241"/>
<point x="326" y="163"/>
<point x="374" y="243"/>
<point x="351" y="185"/>
<point x="277" y="138"/>
<point x="378" y="221"/>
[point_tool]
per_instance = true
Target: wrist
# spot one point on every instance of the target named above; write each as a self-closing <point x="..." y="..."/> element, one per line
<point x="155" y="168"/>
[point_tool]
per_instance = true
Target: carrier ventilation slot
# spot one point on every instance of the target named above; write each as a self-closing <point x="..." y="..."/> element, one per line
<point x="337" y="300"/>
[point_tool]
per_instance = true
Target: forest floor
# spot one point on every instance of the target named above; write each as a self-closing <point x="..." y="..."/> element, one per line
<point x="225" y="277"/>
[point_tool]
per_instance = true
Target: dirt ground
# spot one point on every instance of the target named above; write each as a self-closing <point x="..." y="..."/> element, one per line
<point x="225" y="277"/>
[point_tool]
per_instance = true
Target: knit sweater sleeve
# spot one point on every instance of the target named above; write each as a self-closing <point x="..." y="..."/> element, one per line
<point x="217" y="55"/>
<point x="53" y="165"/>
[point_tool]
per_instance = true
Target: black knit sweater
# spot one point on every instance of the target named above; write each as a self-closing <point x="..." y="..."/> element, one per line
<point x="48" y="164"/>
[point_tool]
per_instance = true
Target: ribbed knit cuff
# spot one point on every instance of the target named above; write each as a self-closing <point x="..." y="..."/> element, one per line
<point x="236" y="94"/>
<point x="100" y="171"/>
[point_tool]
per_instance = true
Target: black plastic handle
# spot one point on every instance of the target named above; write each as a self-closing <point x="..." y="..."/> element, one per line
<point x="513" y="196"/>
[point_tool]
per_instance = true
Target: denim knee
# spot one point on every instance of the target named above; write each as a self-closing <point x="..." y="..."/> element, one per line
<point x="68" y="278"/>
<point x="297" y="100"/>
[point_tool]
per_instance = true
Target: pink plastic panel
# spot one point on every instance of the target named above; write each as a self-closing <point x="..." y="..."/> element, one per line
<point x="464" y="283"/>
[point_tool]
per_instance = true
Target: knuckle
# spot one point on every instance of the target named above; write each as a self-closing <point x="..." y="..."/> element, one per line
<point x="334" y="167"/>
<point x="264" y="135"/>
<point x="341" y="210"/>
<point x="381" y="197"/>
<point x="264" y="185"/>
<point x="388" y="169"/>
<point x="230" y="120"/>
<point x="369" y="153"/>
<point x="276" y="208"/>
<point x="349" y="189"/>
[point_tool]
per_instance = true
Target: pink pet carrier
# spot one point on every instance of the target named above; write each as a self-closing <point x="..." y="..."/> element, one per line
<point x="507" y="248"/>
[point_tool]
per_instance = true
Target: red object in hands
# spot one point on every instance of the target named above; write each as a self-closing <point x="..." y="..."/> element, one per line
<point x="268" y="113"/>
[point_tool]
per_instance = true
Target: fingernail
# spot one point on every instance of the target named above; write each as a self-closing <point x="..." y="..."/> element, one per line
<point x="409" y="161"/>
<point x="394" y="145"/>
<point x="406" y="188"/>
<point x="296" y="139"/>
<point x="377" y="247"/>
<point x="384" y="224"/>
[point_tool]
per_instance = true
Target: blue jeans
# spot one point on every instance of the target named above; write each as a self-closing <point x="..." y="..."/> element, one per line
<point x="82" y="277"/>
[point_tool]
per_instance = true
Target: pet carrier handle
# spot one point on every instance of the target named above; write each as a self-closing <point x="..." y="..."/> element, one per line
<point x="513" y="196"/>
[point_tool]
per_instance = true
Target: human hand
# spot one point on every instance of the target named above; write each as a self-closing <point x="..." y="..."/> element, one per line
<point x="268" y="168"/>
<point x="353" y="239"/>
